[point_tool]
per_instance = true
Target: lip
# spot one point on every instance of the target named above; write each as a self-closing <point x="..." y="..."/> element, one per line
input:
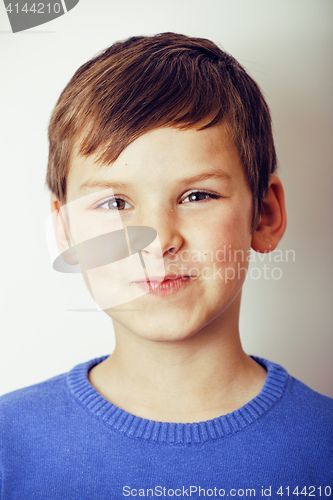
<point x="168" y="286"/>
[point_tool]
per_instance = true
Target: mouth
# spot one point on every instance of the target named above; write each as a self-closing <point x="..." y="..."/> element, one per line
<point x="163" y="287"/>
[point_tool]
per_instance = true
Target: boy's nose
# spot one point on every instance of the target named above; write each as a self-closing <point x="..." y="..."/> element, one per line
<point x="168" y="231"/>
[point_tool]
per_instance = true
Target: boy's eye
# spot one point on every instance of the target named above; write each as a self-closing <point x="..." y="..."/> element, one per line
<point x="115" y="204"/>
<point x="199" y="196"/>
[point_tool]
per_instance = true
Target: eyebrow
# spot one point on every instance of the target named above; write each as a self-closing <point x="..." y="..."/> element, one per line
<point x="215" y="174"/>
<point x="92" y="184"/>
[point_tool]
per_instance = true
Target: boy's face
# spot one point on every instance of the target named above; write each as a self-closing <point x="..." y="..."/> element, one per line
<point x="190" y="186"/>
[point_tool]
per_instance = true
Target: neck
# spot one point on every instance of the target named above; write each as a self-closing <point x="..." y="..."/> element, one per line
<point x="191" y="380"/>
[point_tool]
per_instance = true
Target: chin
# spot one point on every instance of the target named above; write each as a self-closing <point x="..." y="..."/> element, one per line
<point x="168" y="336"/>
<point x="163" y="327"/>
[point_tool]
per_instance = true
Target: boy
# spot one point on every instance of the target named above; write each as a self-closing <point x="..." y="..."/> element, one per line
<point x="161" y="169"/>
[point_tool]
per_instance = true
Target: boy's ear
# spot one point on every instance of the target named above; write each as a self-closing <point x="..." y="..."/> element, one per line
<point x="273" y="218"/>
<point x="65" y="243"/>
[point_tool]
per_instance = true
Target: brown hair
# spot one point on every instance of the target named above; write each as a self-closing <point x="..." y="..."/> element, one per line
<point x="153" y="81"/>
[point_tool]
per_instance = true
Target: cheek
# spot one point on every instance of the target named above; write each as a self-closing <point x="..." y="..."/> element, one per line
<point x="225" y="245"/>
<point x="232" y="227"/>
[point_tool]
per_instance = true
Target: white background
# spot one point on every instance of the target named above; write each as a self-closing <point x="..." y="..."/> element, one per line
<point x="286" y="45"/>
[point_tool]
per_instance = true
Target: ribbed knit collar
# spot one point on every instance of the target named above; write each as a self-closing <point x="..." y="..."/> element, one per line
<point x="177" y="433"/>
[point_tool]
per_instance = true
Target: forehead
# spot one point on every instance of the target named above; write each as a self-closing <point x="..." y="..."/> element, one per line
<point x="165" y="156"/>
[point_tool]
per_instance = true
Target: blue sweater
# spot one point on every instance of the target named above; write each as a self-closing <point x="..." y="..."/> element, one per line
<point x="62" y="440"/>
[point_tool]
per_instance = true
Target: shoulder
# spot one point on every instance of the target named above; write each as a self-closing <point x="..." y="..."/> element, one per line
<point x="45" y="404"/>
<point x="36" y="390"/>
<point x="303" y="418"/>
<point x="297" y="428"/>
<point x="296" y="407"/>
<point x="28" y="401"/>
<point x="308" y="403"/>
<point x="305" y="422"/>
<point x="293" y="390"/>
